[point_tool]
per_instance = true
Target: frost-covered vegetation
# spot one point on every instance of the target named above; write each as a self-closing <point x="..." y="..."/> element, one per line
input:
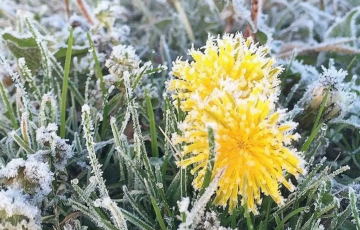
<point x="179" y="114"/>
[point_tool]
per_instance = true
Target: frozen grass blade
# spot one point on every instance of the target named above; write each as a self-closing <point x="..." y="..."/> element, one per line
<point x="137" y="207"/>
<point x="354" y="208"/>
<point x="22" y="143"/>
<point x="136" y="221"/>
<point x="102" y="86"/>
<point x="10" y="111"/>
<point x="153" y="134"/>
<point x="351" y="64"/>
<point x="117" y="216"/>
<point x="65" y="85"/>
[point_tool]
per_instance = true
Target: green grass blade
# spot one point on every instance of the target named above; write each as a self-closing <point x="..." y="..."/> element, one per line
<point x="158" y="214"/>
<point x="9" y="109"/>
<point x="65" y="86"/>
<point x="153" y="134"/>
<point x="351" y="63"/>
<point x="312" y="136"/>
<point x="293" y="213"/>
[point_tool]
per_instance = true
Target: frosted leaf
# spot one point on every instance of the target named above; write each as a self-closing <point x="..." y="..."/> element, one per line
<point x="31" y="175"/>
<point x="39" y="173"/>
<point x="345" y="26"/>
<point x="16" y="212"/>
<point x="11" y="169"/>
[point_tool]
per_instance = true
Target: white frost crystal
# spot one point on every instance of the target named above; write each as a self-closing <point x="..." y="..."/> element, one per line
<point x="15" y="206"/>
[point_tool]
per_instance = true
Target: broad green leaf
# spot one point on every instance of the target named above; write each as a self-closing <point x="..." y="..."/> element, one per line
<point x="24" y="46"/>
<point x="345" y="27"/>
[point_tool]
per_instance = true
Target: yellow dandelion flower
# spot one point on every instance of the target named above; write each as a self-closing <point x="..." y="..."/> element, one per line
<point x="232" y="57"/>
<point x="252" y="144"/>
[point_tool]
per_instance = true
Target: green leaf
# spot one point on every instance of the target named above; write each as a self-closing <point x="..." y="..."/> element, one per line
<point x="24" y="46"/>
<point x="76" y="51"/>
<point x="65" y="86"/>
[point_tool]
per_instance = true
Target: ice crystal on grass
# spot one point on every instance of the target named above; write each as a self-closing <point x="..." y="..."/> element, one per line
<point x="17" y="213"/>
